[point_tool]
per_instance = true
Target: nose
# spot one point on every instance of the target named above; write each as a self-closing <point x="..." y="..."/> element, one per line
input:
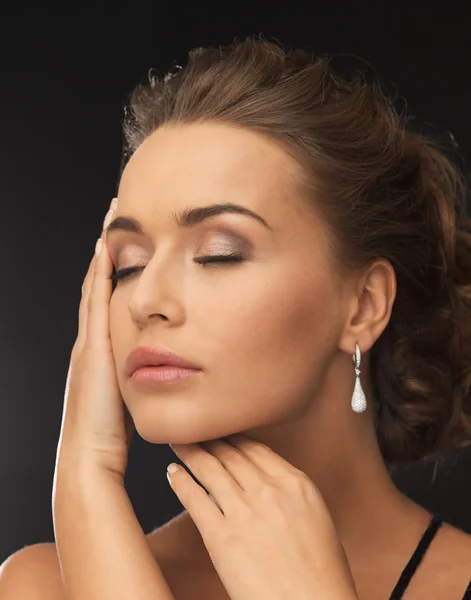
<point x="156" y="295"/>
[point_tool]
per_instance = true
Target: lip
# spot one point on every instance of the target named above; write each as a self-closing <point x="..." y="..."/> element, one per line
<point x="163" y="375"/>
<point x="143" y="356"/>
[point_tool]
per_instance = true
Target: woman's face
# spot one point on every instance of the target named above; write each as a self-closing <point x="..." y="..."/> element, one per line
<point x="262" y="330"/>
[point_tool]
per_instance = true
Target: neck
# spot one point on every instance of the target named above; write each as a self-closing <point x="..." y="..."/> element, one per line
<point x="338" y="450"/>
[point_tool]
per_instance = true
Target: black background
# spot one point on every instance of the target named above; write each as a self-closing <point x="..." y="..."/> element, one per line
<point x="64" y="78"/>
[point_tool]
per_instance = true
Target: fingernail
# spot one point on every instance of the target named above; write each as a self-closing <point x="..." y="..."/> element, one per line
<point x="109" y="216"/>
<point x="114" y="204"/>
<point x="98" y="246"/>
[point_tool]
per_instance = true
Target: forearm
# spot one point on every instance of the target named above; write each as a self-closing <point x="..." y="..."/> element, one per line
<point x="103" y="552"/>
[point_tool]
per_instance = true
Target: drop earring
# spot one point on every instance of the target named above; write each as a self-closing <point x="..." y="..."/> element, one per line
<point x="358" y="398"/>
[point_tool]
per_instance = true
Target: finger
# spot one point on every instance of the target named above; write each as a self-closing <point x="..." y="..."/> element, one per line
<point x="98" y="336"/>
<point x="83" y="309"/>
<point x="86" y="281"/>
<point x="205" y="513"/>
<point x="261" y="455"/>
<point x="246" y="474"/>
<point x="97" y="329"/>
<point x="212" y="475"/>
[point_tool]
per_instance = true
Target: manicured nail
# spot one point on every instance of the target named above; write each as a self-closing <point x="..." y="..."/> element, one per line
<point x="98" y="246"/>
<point x="172" y="468"/>
<point x="114" y="204"/>
<point x="109" y="216"/>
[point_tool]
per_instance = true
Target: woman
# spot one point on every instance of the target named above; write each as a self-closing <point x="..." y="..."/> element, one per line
<point x="320" y="297"/>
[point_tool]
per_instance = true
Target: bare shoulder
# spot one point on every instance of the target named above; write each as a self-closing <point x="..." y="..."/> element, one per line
<point x="32" y="572"/>
<point x="446" y="572"/>
<point x="456" y="545"/>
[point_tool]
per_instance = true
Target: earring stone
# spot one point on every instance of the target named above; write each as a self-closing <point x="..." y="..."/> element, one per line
<point x="358" y="397"/>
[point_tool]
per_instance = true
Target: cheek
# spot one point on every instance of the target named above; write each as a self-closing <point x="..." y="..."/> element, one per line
<point x="275" y="342"/>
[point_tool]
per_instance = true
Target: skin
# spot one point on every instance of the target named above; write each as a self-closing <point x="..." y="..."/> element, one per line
<point x="274" y="334"/>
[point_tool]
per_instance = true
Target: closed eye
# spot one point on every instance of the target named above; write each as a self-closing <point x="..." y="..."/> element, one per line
<point x="204" y="262"/>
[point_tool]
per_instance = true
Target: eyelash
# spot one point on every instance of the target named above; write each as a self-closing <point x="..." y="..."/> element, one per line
<point x="226" y="259"/>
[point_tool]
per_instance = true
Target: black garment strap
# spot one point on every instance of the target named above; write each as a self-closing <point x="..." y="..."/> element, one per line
<point x="416" y="558"/>
<point x="467" y="594"/>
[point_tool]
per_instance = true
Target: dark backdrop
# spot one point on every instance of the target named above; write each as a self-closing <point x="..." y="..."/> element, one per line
<point x="64" y="78"/>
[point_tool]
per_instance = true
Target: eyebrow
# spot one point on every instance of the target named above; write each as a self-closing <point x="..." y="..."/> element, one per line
<point x="187" y="218"/>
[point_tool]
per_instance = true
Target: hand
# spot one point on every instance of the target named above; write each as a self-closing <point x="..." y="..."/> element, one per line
<point x="273" y="536"/>
<point x="97" y="428"/>
<point x="95" y="528"/>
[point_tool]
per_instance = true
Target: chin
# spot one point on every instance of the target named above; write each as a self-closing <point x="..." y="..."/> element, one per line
<point x="156" y="429"/>
<point x="173" y="431"/>
<point x="190" y="419"/>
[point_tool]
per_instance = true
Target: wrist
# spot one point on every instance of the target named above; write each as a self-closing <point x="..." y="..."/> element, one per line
<point x="81" y="480"/>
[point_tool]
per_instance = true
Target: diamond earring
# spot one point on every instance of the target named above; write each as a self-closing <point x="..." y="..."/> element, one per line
<point x="358" y="398"/>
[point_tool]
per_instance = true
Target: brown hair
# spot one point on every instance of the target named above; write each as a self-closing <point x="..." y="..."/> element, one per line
<point x="385" y="191"/>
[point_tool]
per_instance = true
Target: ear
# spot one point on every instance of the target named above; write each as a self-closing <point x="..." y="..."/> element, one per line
<point x="371" y="299"/>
